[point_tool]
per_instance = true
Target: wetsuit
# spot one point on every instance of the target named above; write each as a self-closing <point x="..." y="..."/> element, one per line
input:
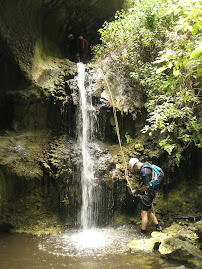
<point x="149" y="195"/>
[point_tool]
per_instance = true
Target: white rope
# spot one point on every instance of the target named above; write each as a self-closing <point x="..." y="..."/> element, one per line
<point x="118" y="132"/>
<point x="119" y="139"/>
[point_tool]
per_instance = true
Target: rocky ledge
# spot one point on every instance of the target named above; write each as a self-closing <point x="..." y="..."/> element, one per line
<point x="177" y="242"/>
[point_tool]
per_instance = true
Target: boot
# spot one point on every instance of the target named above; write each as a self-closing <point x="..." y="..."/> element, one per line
<point x="158" y="228"/>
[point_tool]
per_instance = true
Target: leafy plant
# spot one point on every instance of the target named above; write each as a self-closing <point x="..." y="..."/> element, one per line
<point x="174" y="111"/>
<point x="177" y="159"/>
<point x="134" y="28"/>
<point x="166" y="145"/>
<point x="137" y="146"/>
<point x="128" y="138"/>
<point x="158" y="44"/>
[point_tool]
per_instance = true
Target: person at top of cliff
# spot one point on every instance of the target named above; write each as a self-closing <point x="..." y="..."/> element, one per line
<point x="82" y="48"/>
<point x="146" y="194"/>
<point x="71" y="46"/>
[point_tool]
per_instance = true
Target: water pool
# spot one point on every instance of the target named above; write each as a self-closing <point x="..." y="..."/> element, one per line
<point x="90" y="249"/>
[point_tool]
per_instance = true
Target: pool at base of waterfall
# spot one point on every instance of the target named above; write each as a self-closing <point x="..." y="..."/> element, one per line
<point x="81" y="249"/>
<point x="96" y="242"/>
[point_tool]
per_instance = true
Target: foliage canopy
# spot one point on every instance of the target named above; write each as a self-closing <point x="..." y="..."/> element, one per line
<point x="160" y="43"/>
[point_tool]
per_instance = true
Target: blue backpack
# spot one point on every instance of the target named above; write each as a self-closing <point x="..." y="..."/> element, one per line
<point x="156" y="180"/>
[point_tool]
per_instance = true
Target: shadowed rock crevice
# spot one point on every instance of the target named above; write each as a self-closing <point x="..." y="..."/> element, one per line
<point x="34" y="52"/>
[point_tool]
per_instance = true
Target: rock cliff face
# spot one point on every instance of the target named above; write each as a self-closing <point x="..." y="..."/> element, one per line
<point x="42" y="27"/>
<point x="33" y="37"/>
<point x="38" y="89"/>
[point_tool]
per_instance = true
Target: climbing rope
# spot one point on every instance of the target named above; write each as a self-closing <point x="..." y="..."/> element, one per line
<point x="119" y="139"/>
<point x="118" y="132"/>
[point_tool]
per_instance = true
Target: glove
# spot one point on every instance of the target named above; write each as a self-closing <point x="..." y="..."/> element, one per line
<point x="136" y="192"/>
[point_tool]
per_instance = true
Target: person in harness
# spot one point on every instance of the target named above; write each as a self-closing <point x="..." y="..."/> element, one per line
<point x="71" y="47"/>
<point x="146" y="190"/>
<point x="82" y="48"/>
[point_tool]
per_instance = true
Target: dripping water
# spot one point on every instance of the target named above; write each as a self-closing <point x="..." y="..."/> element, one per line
<point x="85" y="135"/>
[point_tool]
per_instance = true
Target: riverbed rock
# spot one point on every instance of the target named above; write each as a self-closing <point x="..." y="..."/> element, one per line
<point x="181" y="250"/>
<point x="145" y="245"/>
<point x="177" y="242"/>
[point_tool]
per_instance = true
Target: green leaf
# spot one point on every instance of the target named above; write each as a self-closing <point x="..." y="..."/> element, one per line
<point x="185" y="26"/>
<point x="176" y="11"/>
<point x="128" y="138"/>
<point x="169" y="52"/>
<point x="190" y="28"/>
<point x="166" y="146"/>
<point x="169" y="148"/>
<point x="170" y="64"/>
<point x="176" y="72"/>
<point x="196" y="52"/>
<point x="161" y="69"/>
<point x="178" y="156"/>
<point x="195" y="28"/>
<point x="178" y="63"/>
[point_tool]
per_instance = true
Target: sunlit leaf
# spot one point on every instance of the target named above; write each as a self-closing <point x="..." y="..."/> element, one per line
<point x="170" y="65"/>
<point x="161" y="69"/>
<point x="196" y="52"/>
<point x="178" y="63"/>
<point x="176" y="72"/>
<point x="195" y="28"/>
<point x="178" y="156"/>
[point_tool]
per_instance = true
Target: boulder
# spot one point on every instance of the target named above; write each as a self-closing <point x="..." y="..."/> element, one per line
<point x="177" y="242"/>
<point x="146" y="245"/>
<point x="181" y="249"/>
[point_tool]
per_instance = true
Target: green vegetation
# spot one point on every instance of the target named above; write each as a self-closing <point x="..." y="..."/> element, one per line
<point x="157" y="45"/>
<point x="128" y="138"/>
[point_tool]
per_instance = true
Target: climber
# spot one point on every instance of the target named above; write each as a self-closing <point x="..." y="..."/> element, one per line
<point x="82" y="48"/>
<point x="146" y="194"/>
<point x="72" y="47"/>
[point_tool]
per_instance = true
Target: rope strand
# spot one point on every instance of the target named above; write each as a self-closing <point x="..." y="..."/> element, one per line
<point x="118" y="132"/>
<point x="119" y="139"/>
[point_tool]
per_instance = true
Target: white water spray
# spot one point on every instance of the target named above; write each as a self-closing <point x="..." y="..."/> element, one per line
<point x="85" y="126"/>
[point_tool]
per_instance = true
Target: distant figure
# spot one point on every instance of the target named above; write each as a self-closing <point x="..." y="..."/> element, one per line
<point x="72" y="47"/>
<point x="82" y="48"/>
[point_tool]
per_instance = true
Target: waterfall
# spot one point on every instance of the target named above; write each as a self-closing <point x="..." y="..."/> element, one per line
<point x="85" y="133"/>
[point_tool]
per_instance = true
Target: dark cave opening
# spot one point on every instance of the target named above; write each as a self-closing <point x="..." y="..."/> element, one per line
<point x="47" y="26"/>
<point x="59" y="20"/>
<point x="11" y="79"/>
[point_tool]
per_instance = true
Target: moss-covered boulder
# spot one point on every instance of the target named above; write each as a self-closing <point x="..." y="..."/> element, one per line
<point x="177" y="242"/>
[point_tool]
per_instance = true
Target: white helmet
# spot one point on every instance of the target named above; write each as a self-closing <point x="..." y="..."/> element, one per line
<point x="132" y="162"/>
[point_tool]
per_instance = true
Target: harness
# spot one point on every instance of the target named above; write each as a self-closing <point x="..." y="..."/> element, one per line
<point x="144" y="198"/>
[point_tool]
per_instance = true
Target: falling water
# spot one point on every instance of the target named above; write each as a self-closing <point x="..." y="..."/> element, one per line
<point x="85" y="132"/>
